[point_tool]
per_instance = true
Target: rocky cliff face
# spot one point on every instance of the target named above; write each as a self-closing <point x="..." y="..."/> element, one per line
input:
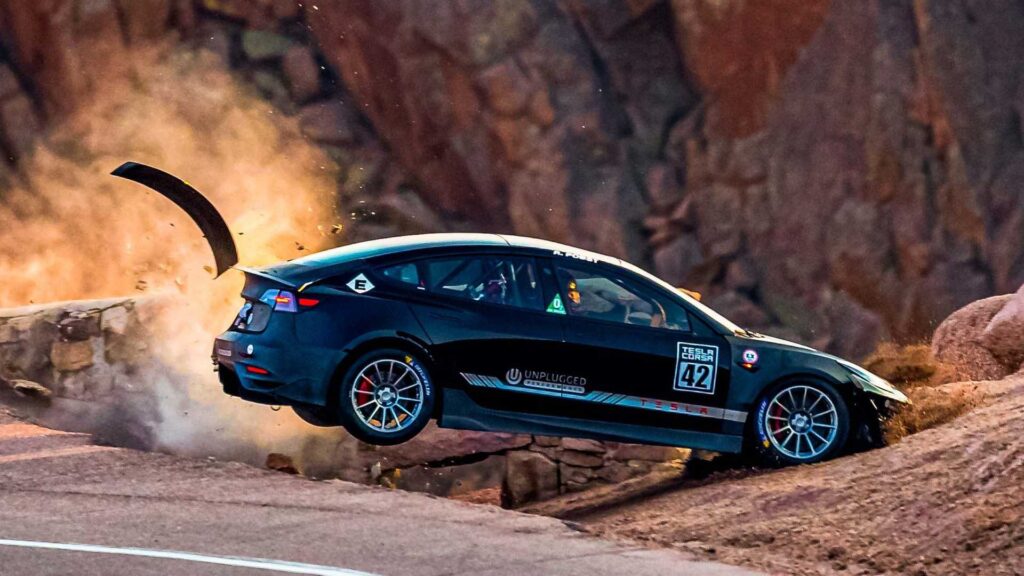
<point x="842" y="171"/>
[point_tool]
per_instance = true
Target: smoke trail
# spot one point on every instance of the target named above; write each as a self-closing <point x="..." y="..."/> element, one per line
<point x="68" y="230"/>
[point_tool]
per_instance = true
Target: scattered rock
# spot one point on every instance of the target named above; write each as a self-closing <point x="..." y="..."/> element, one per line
<point x="435" y="444"/>
<point x="281" y="463"/>
<point x="529" y="476"/>
<point x="451" y="480"/>
<point x="30" y="389"/>
<point x="71" y="356"/>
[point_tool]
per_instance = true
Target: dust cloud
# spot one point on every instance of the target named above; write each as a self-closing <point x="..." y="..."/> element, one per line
<point x="69" y="230"/>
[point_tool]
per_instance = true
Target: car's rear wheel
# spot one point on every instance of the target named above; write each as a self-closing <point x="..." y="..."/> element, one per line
<point x="386" y="397"/>
<point x="801" y="422"/>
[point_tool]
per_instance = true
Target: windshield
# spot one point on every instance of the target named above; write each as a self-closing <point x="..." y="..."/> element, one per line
<point x="722" y="321"/>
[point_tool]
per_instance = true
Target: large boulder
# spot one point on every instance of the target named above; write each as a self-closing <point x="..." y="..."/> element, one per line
<point x="958" y="341"/>
<point x="1004" y="334"/>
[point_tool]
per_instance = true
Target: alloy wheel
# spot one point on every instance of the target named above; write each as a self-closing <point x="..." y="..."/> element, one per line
<point x="387" y="395"/>
<point x="802" y="422"/>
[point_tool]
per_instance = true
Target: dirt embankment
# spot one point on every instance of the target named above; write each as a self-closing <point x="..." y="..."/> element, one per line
<point x="945" y="498"/>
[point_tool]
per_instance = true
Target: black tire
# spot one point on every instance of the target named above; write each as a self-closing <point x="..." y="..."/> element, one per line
<point x="778" y="437"/>
<point x="385" y="397"/>
<point x="316" y="416"/>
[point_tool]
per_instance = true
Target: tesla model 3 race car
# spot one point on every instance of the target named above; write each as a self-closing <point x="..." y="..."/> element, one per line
<point x="503" y="333"/>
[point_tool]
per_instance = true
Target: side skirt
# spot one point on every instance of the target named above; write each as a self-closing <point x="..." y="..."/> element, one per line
<point x="459" y="411"/>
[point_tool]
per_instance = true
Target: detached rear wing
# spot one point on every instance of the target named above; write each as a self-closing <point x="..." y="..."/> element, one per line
<point x="202" y="212"/>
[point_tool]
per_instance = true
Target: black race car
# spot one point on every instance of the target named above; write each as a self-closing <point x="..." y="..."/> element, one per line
<point x="504" y="333"/>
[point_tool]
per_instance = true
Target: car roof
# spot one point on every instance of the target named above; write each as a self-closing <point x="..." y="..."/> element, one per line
<point x="400" y="244"/>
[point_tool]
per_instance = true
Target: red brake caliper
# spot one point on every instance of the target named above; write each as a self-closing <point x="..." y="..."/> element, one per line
<point x="366" y="385"/>
<point x="777" y="425"/>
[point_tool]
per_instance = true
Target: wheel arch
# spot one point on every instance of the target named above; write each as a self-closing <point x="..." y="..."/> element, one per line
<point x="398" y="340"/>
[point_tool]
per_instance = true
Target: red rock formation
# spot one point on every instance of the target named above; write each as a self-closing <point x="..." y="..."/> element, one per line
<point x="842" y="170"/>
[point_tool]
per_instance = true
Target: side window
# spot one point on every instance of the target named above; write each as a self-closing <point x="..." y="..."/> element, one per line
<point x="592" y="294"/>
<point x="407" y="273"/>
<point x="505" y="280"/>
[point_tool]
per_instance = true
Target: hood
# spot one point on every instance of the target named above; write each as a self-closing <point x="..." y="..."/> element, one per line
<point x="763" y="339"/>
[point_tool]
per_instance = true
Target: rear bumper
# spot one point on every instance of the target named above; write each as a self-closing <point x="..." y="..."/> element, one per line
<point x="258" y="369"/>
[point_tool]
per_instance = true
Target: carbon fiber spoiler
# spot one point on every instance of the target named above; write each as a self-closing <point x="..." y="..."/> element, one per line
<point x="202" y="212"/>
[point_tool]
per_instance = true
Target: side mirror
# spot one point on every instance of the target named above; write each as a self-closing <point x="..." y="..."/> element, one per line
<point x="690" y="293"/>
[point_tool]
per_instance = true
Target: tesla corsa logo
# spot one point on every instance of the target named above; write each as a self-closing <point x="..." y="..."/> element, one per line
<point x="360" y="284"/>
<point x="514" y="376"/>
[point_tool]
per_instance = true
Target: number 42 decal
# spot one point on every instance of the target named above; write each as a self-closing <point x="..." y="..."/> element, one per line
<point x="696" y="368"/>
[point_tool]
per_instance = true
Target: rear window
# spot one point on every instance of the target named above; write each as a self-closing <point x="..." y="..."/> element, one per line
<point x="502" y="280"/>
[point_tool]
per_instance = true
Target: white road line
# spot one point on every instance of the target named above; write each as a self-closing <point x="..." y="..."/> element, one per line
<point x="254" y="563"/>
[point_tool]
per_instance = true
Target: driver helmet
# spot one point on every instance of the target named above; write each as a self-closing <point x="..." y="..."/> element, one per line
<point x="572" y="291"/>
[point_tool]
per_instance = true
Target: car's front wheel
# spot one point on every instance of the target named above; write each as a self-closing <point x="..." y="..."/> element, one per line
<point x="801" y="422"/>
<point x="386" y="397"/>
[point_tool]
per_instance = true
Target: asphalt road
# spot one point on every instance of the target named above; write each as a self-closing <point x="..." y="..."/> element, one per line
<point x="70" y="507"/>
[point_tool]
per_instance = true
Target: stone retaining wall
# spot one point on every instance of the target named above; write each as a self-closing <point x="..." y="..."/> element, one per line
<point x="89" y="366"/>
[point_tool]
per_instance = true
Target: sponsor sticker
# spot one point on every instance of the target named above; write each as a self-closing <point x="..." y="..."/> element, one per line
<point x="551" y="381"/>
<point x="750" y="356"/>
<point x="421" y="373"/>
<point x="761" y="424"/>
<point x="360" y="284"/>
<point x="696" y="368"/>
<point x="556" y="306"/>
<point x="574" y="255"/>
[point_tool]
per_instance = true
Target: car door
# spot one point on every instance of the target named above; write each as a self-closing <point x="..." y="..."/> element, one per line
<point x="485" y="315"/>
<point x="646" y="358"/>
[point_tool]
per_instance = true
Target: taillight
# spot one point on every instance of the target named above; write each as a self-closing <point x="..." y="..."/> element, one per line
<point x="285" y="301"/>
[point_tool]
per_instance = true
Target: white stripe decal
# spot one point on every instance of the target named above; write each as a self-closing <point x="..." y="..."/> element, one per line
<point x="254" y="563"/>
<point x="599" y="397"/>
